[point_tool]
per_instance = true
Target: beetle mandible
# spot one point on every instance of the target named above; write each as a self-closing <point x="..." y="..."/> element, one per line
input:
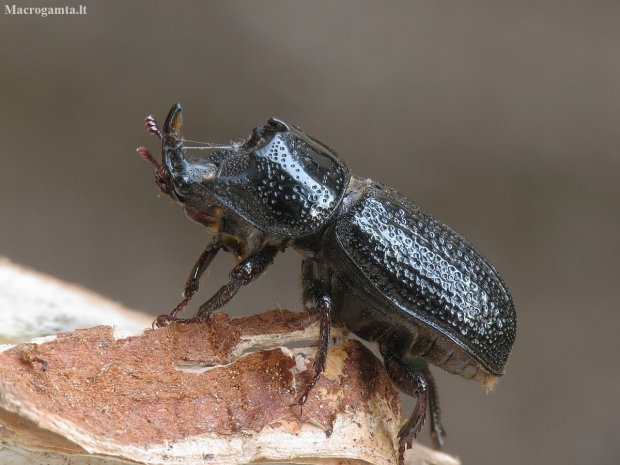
<point x="372" y="260"/>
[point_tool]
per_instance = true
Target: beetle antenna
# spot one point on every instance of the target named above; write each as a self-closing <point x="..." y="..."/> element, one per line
<point x="151" y="126"/>
<point x="146" y="155"/>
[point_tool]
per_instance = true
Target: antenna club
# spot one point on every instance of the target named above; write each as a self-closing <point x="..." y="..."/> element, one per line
<point x="151" y="126"/>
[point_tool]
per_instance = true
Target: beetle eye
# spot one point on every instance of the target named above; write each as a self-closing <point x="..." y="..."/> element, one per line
<point x="182" y="186"/>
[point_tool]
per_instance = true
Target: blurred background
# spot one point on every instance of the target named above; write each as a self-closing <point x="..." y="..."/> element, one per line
<point x="499" y="118"/>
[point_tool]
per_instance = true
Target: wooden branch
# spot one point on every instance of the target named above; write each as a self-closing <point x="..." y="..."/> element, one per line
<point x="221" y="392"/>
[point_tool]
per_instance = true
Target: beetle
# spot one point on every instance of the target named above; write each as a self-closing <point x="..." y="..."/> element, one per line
<point x="372" y="260"/>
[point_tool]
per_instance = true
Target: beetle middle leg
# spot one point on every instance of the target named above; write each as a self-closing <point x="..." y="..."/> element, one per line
<point x="193" y="281"/>
<point x="241" y="275"/>
<point x="314" y="294"/>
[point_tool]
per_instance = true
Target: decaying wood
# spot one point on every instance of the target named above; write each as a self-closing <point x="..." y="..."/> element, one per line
<point x="220" y="392"/>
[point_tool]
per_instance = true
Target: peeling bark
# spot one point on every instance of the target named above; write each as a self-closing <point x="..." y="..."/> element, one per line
<point x="220" y="392"/>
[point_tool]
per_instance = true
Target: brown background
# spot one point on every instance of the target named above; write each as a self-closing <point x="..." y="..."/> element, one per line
<point x="499" y="118"/>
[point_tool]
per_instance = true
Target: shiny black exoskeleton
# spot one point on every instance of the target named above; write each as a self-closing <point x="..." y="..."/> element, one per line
<point x="373" y="261"/>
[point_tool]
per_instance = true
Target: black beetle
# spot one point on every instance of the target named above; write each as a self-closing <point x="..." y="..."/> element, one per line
<point x="373" y="261"/>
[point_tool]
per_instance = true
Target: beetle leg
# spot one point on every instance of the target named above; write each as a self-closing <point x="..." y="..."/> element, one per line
<point x="411" y="382"/>
<point x="437" y="431"/>
<point x="313" y="293"/>
<point x="193" y="281"/>
<point x="29" y="357"/>
<point x="241" y="275"/>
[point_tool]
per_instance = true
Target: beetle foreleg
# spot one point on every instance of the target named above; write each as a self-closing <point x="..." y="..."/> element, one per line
<point x="411" y="382"/>
<point x="241" y="275"/>
<point x="193" y="281"/>
<point x="313" y="293"/>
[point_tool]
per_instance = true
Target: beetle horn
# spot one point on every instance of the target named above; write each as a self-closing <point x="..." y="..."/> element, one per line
<point x="173" y="156"/>
<point x="172" y="126"/>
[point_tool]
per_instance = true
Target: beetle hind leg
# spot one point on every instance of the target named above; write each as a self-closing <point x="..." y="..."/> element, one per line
<point x="416" y="380"/>
<point x="437" y="430"/>
<point x="411" y="382"/>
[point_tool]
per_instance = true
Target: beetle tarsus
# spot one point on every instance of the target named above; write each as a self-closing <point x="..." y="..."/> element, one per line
<point x="166" y="319"/>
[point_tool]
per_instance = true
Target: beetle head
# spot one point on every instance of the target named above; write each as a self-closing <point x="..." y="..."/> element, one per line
<point x="180" y="178"/>
<point x="280" y="180"/>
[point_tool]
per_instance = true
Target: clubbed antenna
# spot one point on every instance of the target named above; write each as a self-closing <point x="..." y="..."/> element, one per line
<point x="160" y="173"/>
<point x="151" y="126"/>
<point x="146" y="155"/>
